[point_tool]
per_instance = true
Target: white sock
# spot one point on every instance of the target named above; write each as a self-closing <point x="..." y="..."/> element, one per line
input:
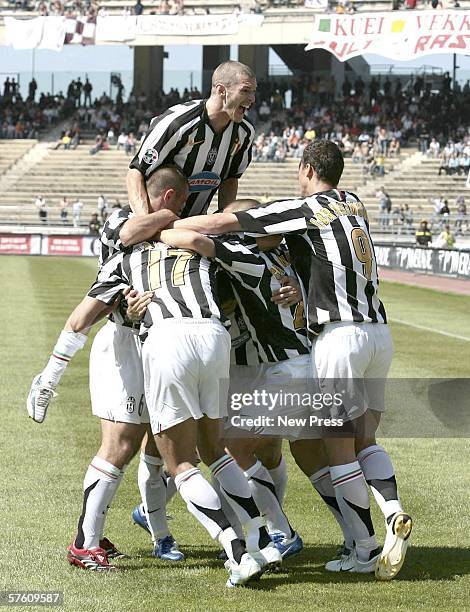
<point x="321" y="480"/>
<point x="378" y="471"/>
<point x="231" y="544"/>
<point x="279" y="476"/>
<point x="202" y="501"/>
<point x="99" y="487"/>
<point x="264" y="494"/>
<point x="235" y="488"/>
<point x="153" y="492"/>
<point x="68" y="343"/>
<point x="228" y="510"/>
<point x="352" y="496"/>
<point x="102" y="519"/>
<point x="169" y="483"/>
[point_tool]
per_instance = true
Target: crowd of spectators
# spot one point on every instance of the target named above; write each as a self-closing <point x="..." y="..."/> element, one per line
<point x="21" y="118"/>
<point x="60" y="212"/>
<point x="369" y="121"/>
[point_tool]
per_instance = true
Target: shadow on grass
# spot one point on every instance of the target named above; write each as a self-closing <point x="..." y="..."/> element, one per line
<point x="422" y="563"/>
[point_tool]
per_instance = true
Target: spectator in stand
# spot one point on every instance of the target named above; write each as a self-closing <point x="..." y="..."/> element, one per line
<point x="102" y="207"/>
<point x="40" y="203"/>
<point x="32" y="87"/>
<point x="408" y="219"/>
<point x="64" y="210"/>
<point x="121" y="141"/>
<point x="130" y="146"/>
<point x="446" y="239"/>
<point x="138" y="8"/>
<point x="94" y="226"/>
<point x="461" y="214"/>
<point x="434" y="148"/>
<point x="385" y="206"/>
<point x="77" y="212"/>
<point x="87" y="89"/>
<point x="100" y="145"/>
<point x="423" y="234"/>
<point x="264" y="111"/>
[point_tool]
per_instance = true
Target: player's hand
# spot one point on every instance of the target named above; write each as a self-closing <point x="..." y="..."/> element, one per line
<point x="137" y="304"/>
<point x="289" y="292"/>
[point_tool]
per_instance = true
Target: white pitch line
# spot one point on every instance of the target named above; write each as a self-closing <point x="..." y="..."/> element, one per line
<point x="430" y="329"/>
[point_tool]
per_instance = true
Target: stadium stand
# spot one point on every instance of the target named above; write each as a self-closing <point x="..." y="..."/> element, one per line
<point x="275" y="8"/>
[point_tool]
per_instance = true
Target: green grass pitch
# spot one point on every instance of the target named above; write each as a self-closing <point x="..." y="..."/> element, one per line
<point x="43" y="468"/>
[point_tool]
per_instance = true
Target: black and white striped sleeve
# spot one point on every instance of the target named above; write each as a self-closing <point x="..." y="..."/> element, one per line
<point x="164" y="134"/>
<point x="239" y="261"/>
<point x="283" y="217"/>
<point x="110" y="281"/>
<point x="109" y="237"/>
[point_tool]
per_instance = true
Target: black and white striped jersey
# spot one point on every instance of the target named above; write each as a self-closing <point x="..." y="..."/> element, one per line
<point x="110" y="244"/>
<point x="332" y="230"/>
<point x="277" y="333"/>
<point x="109" y="237"/>
<point x="182" y="135"/>
<point x="183" y="282"/>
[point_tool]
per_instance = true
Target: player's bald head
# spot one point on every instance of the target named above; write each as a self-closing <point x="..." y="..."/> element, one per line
<point x="164" y="178"/>
<point x="230" y="72"/>
<point x="242" y="204"/>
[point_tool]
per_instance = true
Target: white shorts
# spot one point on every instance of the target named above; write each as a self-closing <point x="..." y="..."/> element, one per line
<point x="286" y="416"/>
<point x="116" y="376"/>
<point x="186" y="370"/>
<point x="359" y="355"/>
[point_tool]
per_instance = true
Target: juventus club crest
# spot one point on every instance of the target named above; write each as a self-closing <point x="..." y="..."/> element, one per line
<point x="130" y="404"/>
<point x="212" y="156"/>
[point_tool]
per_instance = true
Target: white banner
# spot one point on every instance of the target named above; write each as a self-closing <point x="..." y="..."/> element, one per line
<point x="115" y="28"/>
<point x="53" y="33"/>
<point x="397" y="35"/>
<point x="23" y="33"/>
<point x="186" y="25"/>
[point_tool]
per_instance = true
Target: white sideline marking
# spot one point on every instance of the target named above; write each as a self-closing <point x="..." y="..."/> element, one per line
<point x="430" y="329"/>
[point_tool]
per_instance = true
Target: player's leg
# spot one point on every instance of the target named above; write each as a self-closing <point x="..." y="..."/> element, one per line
<point x="173" y="361"/>
<point x="269" y="452"/>
<point x="262" y="489"/>
<point x="151" y="513"/>
<point x="340" y="357"/>
<point x="177" y="446"/>
<point x="376" y="463"/>
<point x="311" y="458"/>
<point x="234" y="486"/>
<point x="120" y="442"/>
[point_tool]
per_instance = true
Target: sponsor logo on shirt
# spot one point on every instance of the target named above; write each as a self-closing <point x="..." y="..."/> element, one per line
<point x="150" y="156"/>
<point x="203" y="181"/>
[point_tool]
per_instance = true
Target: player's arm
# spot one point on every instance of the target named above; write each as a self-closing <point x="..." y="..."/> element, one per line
<point x="86" y="314"/>
<point x="145" y="227"/>
<point x="189" y="240"/>
<point x="227" y="192"/>
<point x="222" y="223"/>
<point x="137" y="192"/>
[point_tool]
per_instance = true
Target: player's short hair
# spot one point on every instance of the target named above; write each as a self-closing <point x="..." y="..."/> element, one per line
<point x="242" y="204"/>
<point x="228" y="73"/>
<point x="166" y="177"/>
<point x="326" y="159"/>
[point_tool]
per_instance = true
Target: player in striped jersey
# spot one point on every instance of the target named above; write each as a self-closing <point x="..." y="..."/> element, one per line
<point x="328" y="234"/>
<point x="257" y="273"/>
<point x="210" y="140"/>
<point x="116" y="388"/>
<point x="186" y="359"/>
